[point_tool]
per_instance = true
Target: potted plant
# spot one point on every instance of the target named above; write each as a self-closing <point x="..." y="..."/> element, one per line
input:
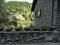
<point x="9" y="29"/>
<point x="52" y="28"/>
<point x="18" y="28"/>
<point x="1" y="28"/>
<point x="45" y="28"/>
<point x="36" y="28"/>
<point x="27" y="28"/>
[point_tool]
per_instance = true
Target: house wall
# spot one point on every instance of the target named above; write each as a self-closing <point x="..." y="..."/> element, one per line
<point x="54" y="12"/>
<point x="58" y="15"/>
<point x="46" y="13"/>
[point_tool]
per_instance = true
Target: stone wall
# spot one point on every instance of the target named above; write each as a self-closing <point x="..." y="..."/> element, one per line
<point x="30" y="37"/>
<point x="34" y="44"/>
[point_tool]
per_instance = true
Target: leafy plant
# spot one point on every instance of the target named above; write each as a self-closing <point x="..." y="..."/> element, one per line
<point x="21" y="11"/>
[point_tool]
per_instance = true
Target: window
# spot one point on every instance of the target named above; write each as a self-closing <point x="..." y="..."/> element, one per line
<point x="38" y="13"/>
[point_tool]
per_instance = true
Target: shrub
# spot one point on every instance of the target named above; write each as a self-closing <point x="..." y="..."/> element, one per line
<point x="1" y="28"/>
<point x="18" y="28"/>
<point x="27" y="28"/>
<point x="36" y="28"/>
<point x="52" y="28"/>
<point x="45" y="28"/>
<point x="9" y="29"/>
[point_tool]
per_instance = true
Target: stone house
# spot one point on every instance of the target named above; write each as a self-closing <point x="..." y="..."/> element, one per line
<point x="46" y="13"/>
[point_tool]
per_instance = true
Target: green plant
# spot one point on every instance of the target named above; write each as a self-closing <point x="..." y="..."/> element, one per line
<point x="9" y="29"/>
<point x="1" y="27"/>
<point x="18" y="28"/>
<point x="44" y="28"/>
<point x="36" y="28"/>
<point x="52" y="28"/>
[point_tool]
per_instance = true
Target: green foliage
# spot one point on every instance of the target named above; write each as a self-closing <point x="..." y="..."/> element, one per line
<point x="3" y="14"/>
<point x="21" y="15"/>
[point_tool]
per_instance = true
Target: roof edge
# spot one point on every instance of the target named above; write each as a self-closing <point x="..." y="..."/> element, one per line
<point x="33" y="5"/>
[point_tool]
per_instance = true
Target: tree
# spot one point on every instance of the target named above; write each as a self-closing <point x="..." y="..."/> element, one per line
<point x="4" y="14"/>
<point x="21" y="15"/>
<point x="22" y="12"/>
